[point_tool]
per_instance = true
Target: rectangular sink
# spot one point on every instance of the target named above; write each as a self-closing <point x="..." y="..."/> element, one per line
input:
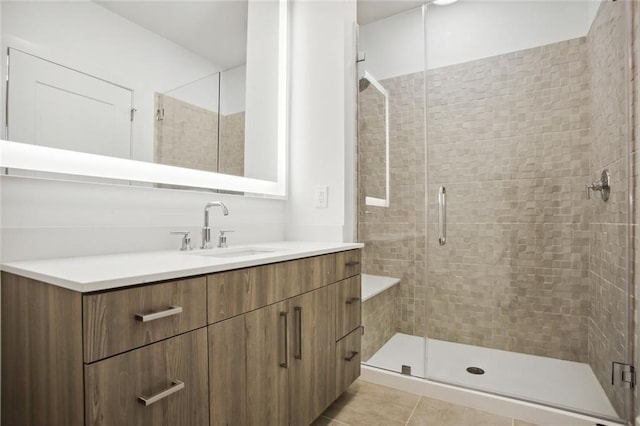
<point x="226" y="253"/>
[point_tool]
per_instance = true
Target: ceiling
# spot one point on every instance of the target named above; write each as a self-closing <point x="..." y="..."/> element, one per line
<point x="216" y="30"/>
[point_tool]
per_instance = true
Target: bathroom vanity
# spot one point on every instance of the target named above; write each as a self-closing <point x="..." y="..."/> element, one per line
<point x="266" y="337"/>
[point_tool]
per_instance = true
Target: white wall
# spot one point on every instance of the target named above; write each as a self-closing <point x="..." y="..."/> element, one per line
<point x="46" y="218"/>
<point x="469" y="30"/>
<point x="233" y="90"/>
<point x="322" y="123"/>
<point x="203" y="92"/>
<point x="92" y="39"/>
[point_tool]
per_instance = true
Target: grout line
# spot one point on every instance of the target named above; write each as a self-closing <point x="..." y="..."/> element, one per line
<point x="415" y="407"/>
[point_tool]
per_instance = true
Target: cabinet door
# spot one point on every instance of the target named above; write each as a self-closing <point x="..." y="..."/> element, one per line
<point x="227" y="374"/>
<point x="268" y="365"/>
<point x="312" y="354"/>
<point x="161" y="384"/>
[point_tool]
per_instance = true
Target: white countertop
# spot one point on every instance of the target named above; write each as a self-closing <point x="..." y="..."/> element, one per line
<point x="92" y="273"/>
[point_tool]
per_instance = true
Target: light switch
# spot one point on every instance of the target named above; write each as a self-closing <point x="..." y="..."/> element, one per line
<point x="321" y="195"/>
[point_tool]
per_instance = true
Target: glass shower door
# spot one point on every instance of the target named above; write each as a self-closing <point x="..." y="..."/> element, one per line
<point x="528" y="297"/>
<point x="391" y="196"/>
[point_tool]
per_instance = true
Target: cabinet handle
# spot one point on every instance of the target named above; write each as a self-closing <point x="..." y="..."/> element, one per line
<point x="173" y="310"/>
<point x="352" y="356"/>
<point x="285" y="333"/>
<point x="352" y="300"/>
<point x="176" y="385"/>
<point x="298" y="311"/>
<point x="352" y="263"/>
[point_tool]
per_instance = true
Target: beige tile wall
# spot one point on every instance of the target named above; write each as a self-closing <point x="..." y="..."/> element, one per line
<point x="508" y="137"/>
<point x="635" y="164"/>
<point x="187" y="137"/>
<point x="393" y="236"/>
<point x="608" y="229"/>
<point x="232" y="144"/>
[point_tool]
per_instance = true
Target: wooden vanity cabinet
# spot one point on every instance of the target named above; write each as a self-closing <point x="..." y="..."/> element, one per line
<point x="291" y="346"/>
<point x="254" y="346"/>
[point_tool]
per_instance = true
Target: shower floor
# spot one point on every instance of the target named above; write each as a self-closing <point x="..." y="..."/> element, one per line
<point x="567" y="384"/>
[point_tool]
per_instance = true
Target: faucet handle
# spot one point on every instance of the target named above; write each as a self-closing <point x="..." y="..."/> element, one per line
<point x="222" y="239"/>
<point x="186" y="239"/>
<point x="603" y="185"/>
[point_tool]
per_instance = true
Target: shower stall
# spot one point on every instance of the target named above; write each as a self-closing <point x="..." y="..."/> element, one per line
<point x="494" y="199"/>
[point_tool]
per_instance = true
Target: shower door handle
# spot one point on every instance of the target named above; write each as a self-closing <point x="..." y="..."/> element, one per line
<point x="442" y="215"/>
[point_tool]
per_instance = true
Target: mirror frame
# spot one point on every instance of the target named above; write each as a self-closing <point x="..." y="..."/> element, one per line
<point x="16" y="155"/>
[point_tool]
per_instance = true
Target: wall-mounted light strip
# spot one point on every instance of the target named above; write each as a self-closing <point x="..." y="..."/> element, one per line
<point x="15" y="155"/>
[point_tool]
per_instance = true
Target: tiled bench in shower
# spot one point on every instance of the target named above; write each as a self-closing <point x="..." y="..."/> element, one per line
<point x="379" y="312"/>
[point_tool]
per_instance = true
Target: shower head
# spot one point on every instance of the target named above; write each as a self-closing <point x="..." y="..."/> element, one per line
<point x="363" y="83"/>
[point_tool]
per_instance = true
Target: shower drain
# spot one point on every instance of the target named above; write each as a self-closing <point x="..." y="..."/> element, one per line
<point x="475" y="370"/>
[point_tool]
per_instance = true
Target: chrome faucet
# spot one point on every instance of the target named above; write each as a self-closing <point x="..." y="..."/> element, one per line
<point x="206" y="231"/>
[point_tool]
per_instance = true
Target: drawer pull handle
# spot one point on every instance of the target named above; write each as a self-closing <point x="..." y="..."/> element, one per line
<point x="298" y="311"/>
<point x="285" y="333"/>
<point x="176" y="385"/>
<point x="352" y="263"/>
<point x="352" y="356"/>
<point x="173" y="310"/>
<point x="352" y="300"/>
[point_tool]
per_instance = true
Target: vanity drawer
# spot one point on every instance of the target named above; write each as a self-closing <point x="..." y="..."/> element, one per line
<point x="347" y="264"/>
<point x="170" y="375"/>
<point x="348" y="360"/>
<point x="300" y="276"/>
<point x="236" y="292"/>
<point x="121" y="320"/>
<point x="348" y="306"/>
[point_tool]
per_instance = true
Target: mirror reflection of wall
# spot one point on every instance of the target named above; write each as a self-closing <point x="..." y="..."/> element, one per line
<point x="180" y="65"/>
<point x="231" y="146"/>
<point x="186" y="126"/>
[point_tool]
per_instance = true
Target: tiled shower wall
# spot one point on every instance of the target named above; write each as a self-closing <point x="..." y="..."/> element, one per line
<point x="608" y="228"/>
<point x="635" y="167"/>
<point x="530" y="265"/>
<point x="394" y="236"/>
<point x="509" y="138"/>
<point x="232" y="144"/>
<point x="188" y="136"/>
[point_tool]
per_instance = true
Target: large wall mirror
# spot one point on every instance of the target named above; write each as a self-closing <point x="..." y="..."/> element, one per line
<point x="187" y="93"/>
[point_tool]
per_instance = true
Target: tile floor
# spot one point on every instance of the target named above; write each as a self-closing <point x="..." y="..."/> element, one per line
<point x="367" y="404"/>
